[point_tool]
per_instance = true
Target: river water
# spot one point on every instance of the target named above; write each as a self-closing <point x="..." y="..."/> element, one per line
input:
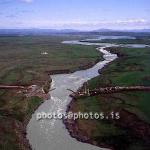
<point x="51" y="134"/>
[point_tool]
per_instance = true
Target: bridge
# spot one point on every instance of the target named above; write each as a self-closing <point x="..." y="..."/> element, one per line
<point x="108" y="90"/>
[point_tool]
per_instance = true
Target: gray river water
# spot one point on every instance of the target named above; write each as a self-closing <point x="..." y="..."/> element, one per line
<point x="51" y="134"/>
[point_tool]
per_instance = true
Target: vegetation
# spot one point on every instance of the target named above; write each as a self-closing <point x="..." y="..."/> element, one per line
<point x="22" y="63"/>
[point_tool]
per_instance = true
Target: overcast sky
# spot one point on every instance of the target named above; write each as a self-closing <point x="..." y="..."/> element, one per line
<point x="76" y="14"/>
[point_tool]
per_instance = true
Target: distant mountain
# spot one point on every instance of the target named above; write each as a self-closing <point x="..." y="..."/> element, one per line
<point x="35" y="31"/>
<point x="23" y="32"/>
<point x="102" y="30"/>
<point x="112" y="30"/>
<point x="141" y="30"/>
<point x="68" y="30"/>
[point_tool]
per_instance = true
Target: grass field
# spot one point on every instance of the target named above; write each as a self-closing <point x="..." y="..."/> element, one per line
<point x="21" y="60"/>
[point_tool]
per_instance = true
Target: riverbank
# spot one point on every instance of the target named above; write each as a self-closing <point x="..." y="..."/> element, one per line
<point x="13" y="121"/>
<point x="73" y="126"/>
<point x="134" y="123"/>
<point x="25" y="123"/>
<point x="81" y="67"/>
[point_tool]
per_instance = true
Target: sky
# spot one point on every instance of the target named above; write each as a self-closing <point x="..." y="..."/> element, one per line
<point x="75" y="14"/>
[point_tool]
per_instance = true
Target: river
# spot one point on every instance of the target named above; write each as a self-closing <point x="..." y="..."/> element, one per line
<point x="51" y="134"/>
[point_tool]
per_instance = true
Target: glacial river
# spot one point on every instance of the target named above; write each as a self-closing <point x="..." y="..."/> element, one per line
<point x="51" y="134"/>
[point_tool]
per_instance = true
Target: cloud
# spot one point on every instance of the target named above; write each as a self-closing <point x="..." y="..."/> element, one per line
<point x="128" y="22"/>
<point x="5" y="2"/>
<point x="11" y="1"/>
<point x="83" y="25"/>
<point x="26" y="11"/>
<point x="131" y="21"/>
<point x="27" y="1"/>
<point x="11" y="16"/>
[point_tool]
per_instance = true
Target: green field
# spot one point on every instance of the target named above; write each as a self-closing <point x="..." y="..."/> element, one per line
<point x="21" y="60"/>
